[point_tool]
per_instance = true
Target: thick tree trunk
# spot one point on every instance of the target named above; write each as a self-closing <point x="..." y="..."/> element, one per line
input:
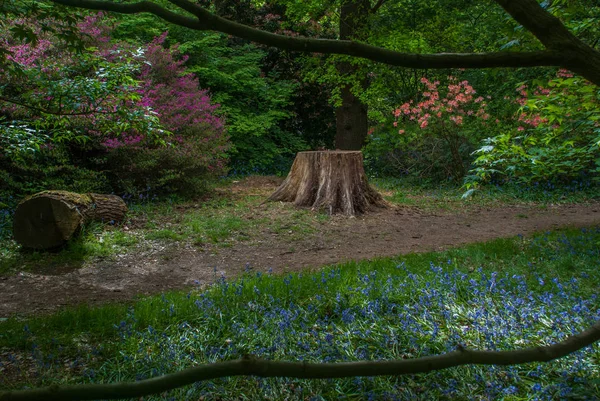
<point x="49" y="219"/>
<point x="333" y="181"/>
<point x="351" y="116"/>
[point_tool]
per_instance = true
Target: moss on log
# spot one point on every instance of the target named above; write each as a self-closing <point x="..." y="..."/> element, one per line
<point x="49" y="219"/>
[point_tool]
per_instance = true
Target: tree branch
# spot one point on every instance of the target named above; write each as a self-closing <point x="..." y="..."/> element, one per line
<point x="546" y="27"/>
<point x="263" y="368"/>
<point x="377" y="6"/>
<point x="578" y="56"/>
<point x="206" y="21"/>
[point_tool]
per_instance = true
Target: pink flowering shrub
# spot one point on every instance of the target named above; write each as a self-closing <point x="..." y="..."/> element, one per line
<point x="436" y="133"/>
<point x="96" y="30"/>
<point x="60" y="97"/>
<point x="197" y="149"/>
<point x="131" y="112"/>
<point x="53" y="101"/>
<point x="446" y="110"/>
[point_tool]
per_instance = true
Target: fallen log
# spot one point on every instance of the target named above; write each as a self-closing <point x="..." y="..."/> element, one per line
<point x="49" y="219"/>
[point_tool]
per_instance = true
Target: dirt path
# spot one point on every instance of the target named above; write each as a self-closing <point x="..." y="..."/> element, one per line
<point x="383" y="233"/>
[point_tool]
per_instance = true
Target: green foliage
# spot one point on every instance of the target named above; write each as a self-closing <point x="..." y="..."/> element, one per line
<point x="557" y="140"/>
<point x="581" y="17"/>
<point x="19" y="139"/>
<point x="163" y="170"/>
<point x="52" y="169"/>
<point x="413" y="154"/>
<point x="255" y="105"/>
<point x="53" y="103"/>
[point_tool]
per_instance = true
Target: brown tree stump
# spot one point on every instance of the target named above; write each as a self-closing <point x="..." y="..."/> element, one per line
<point x="49" y="219"/>
<point x="333" y="181"/>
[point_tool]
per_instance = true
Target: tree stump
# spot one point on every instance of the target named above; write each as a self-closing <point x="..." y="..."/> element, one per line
<point x="333" y="181"/>
<point x="49" y="219"/>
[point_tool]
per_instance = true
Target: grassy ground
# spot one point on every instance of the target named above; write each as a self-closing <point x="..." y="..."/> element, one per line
<point x="228" y="217"/>
<point x="503" y="294"/>
<point x="221" y="221"/>
<point x="451" y="197"/>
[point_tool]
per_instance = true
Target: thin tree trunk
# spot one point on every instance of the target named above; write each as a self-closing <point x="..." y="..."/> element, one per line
<point x="351" y="122"/>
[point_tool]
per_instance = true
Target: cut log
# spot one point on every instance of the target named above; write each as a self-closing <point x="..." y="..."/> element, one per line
<point x="332" y="181"/>
<point x="49" y="219"/>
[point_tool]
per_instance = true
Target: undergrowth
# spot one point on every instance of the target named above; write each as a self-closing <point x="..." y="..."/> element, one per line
<point x="451" y="197"/>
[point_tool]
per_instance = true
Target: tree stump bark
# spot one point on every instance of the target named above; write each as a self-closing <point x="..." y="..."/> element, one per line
<point x="333" y="181"/>
<point x="49" y="219"/>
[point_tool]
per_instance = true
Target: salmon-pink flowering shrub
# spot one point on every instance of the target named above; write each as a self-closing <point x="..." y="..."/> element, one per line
<point x="448" y="113"/>
<point x="435" y="133"/>
<point x="458" y="103"/>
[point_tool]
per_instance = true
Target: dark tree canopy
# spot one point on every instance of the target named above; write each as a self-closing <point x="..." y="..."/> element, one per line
<point x="562" y="48"/>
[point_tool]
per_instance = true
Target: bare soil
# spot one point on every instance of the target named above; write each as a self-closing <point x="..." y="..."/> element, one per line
<point x="178" y="265"/>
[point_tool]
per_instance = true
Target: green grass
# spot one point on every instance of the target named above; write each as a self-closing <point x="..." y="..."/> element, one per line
<point x="224" y="220"/>
<point x="94" y="241"/>
<point x="164" y="234"/>
<point x="450" y="197"/>
<point x="118" y="341"/>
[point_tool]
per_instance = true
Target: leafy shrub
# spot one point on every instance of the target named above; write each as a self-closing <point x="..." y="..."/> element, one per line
<point x="412" y="154"/>
<point x="256" y="105"/>
<point x="197" y="150"/>
<point x="438" y="133"/>
<point x="102" y="119"/>
<point x="182" y="168"/>
<point x="557" y="139"/>
<point x="54" y="97"/>
<point x="58" y="107"/>
<point x="51" y="168"/>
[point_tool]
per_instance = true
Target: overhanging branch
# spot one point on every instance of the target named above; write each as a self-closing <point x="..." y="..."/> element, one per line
<point x="544" y="26"/>
<point x="578" y="56"/>
<point x="204" y="20"/>
<point x="377" y="6"/>
<point x="262" y="368"/>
